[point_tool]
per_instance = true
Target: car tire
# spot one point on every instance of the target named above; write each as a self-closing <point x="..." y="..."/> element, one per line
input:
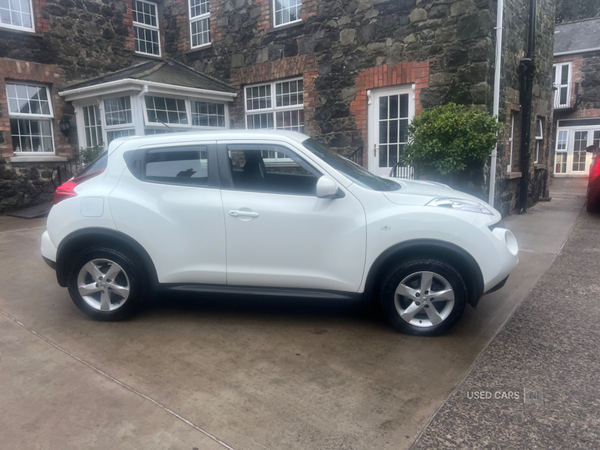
<point x="106" y="284"/>
<point x="412" y="306"/>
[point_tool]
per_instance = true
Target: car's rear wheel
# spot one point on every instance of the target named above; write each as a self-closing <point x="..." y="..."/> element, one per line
<point x="423" y="297"/>
<point x="106" y="284"/>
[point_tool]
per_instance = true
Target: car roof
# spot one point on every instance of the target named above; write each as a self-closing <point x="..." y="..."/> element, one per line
<point x="130" y="142"/>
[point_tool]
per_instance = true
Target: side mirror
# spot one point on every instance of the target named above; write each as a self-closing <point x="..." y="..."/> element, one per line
<point x="593" y="148"/>
<point x="327" y="188"/>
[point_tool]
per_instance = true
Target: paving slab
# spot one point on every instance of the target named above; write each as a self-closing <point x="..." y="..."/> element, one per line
<point x="52" y="401"/>
<point x="267" y="373"/>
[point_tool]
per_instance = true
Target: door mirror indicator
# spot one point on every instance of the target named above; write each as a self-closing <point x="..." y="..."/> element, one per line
<point x="327" y="188"/>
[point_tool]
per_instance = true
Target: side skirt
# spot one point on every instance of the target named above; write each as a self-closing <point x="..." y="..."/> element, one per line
<point x="260" y="290"/>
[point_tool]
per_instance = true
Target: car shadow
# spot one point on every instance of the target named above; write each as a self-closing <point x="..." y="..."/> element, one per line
<point x="251" y="306"/>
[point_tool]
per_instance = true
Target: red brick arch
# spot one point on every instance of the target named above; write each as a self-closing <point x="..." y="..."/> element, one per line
<point x="383" y="76"/>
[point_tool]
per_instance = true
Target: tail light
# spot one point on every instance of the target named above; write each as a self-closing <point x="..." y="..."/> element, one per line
<point x="67" y="189"/>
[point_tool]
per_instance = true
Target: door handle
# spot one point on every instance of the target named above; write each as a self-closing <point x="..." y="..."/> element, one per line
<point x="375" y="149"/>
<point x="234" y="213"/>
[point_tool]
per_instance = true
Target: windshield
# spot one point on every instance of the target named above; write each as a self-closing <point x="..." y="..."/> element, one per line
<point x="353" y="171"/>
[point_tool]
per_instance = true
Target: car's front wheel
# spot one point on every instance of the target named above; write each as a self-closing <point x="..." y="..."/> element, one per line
<point x="423" y="297"/>
<point x="106" y="284"/>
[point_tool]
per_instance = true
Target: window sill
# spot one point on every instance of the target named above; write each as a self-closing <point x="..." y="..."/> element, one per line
<point x="513" y="175"/>
<point x="21" y="31"/>
<point x="149" y="56"/>
<point x="35" y="159"/>
<point x="287" y="26"/>
<point x="198" y="49"/>
<point x="539" y="166"/>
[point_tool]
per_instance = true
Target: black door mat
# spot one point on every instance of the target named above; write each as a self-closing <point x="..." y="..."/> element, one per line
<point x="33" y="212"/>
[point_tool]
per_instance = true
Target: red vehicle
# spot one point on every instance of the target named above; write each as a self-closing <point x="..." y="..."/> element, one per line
<point x="593" y="196"/>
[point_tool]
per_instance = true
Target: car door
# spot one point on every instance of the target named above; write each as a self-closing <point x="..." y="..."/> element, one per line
<point x="168" y="200"/>
<point x="279" y="234"/>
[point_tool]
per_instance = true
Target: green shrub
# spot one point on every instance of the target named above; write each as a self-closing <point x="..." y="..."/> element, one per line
<point x="90" y="153"/>
<point x="449" y="138"/>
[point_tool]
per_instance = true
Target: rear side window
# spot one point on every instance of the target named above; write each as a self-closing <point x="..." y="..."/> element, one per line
<point x="185" y="166"/>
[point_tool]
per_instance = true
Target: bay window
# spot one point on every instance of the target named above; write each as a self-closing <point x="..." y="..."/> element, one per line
<point x="30" y="114"/>
<point x="92" y="124"/>
<point x="118" y="118"/>
<point x="199" y="23"/>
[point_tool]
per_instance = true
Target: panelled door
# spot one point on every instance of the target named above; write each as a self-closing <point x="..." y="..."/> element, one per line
<point x="390" y="112"/>
<point x="571" y="155"/>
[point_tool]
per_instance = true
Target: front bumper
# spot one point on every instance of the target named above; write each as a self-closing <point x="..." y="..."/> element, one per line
<point x="48" y="250"/>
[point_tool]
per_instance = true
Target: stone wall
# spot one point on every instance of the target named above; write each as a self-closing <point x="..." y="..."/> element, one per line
<point x="24" y="184"/>
<point x="573" y="10"/>
<point x="85" y="38"/>
<point x="516" y="28"/>
<point x="350" y="38"/>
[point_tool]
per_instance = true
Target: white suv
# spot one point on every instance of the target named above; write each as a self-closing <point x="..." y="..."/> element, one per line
<point x="269" y="213"/>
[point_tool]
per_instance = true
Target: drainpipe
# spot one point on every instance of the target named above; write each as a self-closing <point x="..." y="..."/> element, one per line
<point x="527" y="68"/>
<point x="496" y="111"/>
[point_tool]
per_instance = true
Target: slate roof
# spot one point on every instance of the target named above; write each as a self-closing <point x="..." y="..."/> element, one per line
<point x="166" y="72"/>
<point x="577" y="36"/>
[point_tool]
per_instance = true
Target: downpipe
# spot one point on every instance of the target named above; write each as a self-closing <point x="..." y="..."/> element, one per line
<point x="496" y="108"/>
<point x="527" y="69"/>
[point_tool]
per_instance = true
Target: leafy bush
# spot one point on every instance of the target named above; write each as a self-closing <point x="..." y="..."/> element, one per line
<point x="449" y="138"/>
<point x="90" y="153"/>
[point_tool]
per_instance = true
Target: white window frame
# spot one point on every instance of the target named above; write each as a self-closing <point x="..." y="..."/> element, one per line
<point x="15" y="27"/>
<point x="100" y="113"/>
<point x="25" y="116"/>
<point x="198" y="19"/>
<point x="273" y="109"/>
<point x="556" y="82"/>
<point x="188" y="110"/>
<point x="286" y="23"/>
<point x="511" y="141"/>
<point x="149" y="27"/>
<point x="539" y="139"/>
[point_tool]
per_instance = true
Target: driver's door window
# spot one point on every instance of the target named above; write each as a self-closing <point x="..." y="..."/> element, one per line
<point x="253" y="168"/>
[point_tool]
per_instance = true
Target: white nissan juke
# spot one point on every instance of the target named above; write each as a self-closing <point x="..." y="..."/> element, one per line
<point x="269" y="213"/>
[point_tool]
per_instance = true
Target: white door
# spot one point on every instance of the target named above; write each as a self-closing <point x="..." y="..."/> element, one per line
<point x="390" y="112"/>
<point x="580" y="143"/>
<point x="279" y="234"/>
<point x="571" y="155"/>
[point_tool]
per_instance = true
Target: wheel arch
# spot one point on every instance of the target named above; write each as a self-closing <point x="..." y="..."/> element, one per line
<point x="451" y="253"/>
<point x="80" y="239"/>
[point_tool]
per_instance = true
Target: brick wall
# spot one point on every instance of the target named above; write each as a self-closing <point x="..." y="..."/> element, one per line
<point x="40" y="20"/>
<point x="383" y="76"/>
<point x="48" y="74"/>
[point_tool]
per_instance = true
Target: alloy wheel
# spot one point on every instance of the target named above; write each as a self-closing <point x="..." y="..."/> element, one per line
<point x="103" y="285"/>
<point x="424" y="299"/>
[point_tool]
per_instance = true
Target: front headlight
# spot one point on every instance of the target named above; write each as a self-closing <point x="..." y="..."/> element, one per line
<point x="460" y="204"/>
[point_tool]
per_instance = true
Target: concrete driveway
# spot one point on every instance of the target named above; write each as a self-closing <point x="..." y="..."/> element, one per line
<point x="231" y="372"/>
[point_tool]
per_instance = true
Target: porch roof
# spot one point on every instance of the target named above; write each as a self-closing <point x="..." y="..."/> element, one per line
<point x="167" y="74"/>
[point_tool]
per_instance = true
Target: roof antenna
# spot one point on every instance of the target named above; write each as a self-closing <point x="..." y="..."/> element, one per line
<point x="166" y="125"/>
